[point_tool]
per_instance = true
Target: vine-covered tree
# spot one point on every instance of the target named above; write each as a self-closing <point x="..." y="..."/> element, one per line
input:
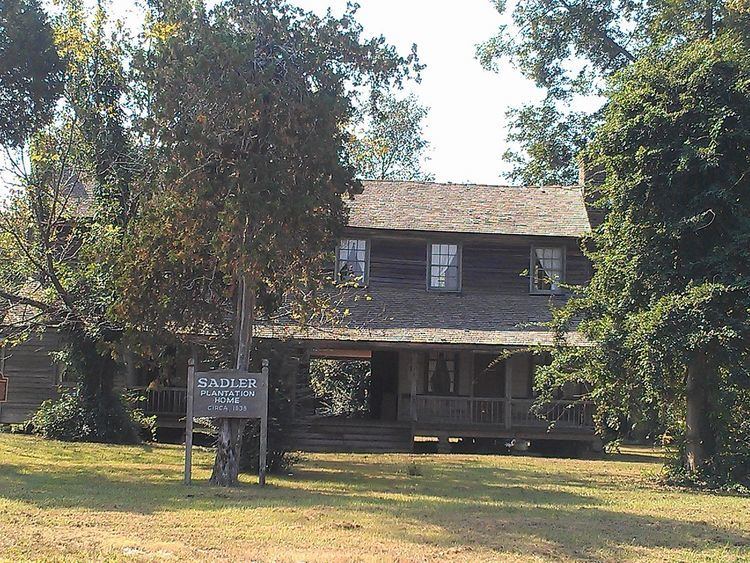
<point x="570" y="48"/>
<point x="62" y="225"/>
<point x="668" y="308"/>
<point x="246" y="103"/>
<point x="391" y="144"/>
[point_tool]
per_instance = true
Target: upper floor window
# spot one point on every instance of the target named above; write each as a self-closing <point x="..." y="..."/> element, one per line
<point x="445" y="267"/>
<point x="547" y="269"/>
<point x="351" y="261"/>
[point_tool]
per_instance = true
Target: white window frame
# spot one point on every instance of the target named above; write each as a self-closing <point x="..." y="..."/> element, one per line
<point x="532" y="270"/>
<point x="337" y="270"/>
<point x="459" y="258"/>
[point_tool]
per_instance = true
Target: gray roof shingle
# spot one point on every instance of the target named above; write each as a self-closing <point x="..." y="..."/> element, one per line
<point x="469" y="208"/>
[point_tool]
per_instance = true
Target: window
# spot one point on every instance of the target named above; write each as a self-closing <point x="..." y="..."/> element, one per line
<point x="445" y="267"/>
<point x="547" y="269"/>
<point x="351" y="261"/>
<point x="489" y="375"/>
<point x="442" y="373"/>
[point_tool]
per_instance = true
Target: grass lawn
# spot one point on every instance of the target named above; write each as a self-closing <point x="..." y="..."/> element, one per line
<point x="80" y="501"/>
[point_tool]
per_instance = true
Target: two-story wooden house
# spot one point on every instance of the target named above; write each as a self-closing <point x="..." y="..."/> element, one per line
<point x="453" y="284"/>
<point x="446" y="288"/>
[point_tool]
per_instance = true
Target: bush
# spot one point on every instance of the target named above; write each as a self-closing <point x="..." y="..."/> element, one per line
<point x="75" y="418"/>
<point x="728" y="469"/>
<point x="341" y="386"/>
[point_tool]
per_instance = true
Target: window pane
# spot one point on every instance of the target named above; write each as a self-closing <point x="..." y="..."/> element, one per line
<point x="547" y="272"/>
<point x="444" y="267"/>
<point x="441" y="373"/>
<point x="352" y="260"/>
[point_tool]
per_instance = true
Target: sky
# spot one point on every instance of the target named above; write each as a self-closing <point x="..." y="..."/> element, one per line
<point x="466" y="124"/>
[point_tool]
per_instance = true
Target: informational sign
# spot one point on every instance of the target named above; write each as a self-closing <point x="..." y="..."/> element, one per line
<point x="230" y="394"/>
<point x="3" y="388"/>
<point x="227" y="394"/>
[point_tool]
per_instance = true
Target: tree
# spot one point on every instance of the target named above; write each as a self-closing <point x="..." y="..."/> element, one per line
<point x="30" y="71"/>
<point x="63" y="225"/>
<point x="570" y="48"/>
<point x="246" y="104"/>
<point x="391" y="146"/>
<point x="668" y="308"/>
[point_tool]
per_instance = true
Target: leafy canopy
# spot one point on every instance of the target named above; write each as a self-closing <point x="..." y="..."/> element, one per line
<point x="247" y="104"/>
<point x="569" y="48"/>
<point x="671" y="284"/>
<point x="31" y="72"/>
<point x="391" y="145"/>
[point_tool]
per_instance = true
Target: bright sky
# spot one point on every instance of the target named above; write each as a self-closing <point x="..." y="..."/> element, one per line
<point x="466" y="125"/>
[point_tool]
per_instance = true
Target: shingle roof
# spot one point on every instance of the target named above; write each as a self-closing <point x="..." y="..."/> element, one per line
<point x="418" y="316"/>
<point x="469" y="208"/>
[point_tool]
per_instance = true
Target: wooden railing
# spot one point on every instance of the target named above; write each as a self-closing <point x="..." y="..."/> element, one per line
<point x="431" y="408"/>
<point x="498" y="411"/>
<point x="557" y="414"/>
<point x="164" y="401"/>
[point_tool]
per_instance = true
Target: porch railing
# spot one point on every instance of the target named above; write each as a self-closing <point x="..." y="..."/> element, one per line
<point x="459" y="409"/>
<point x="559" y="414"/>
<point x="164" y="401"/>
<point x="499" y="411"/>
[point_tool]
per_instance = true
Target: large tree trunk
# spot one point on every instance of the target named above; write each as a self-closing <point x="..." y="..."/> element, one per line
<point x="698" y="436"/>
<point x="228" y="448"/>
<point x="229" y="439"/>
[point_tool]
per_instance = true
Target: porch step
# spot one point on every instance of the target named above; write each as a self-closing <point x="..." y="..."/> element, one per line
<point x="351" y="435"/>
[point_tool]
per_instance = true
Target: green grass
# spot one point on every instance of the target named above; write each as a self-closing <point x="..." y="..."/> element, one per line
<point x="81" y="501"/>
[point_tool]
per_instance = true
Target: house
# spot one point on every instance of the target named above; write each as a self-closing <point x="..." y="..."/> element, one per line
<point x="446" y="289"/>
<point x="453" y="283"/>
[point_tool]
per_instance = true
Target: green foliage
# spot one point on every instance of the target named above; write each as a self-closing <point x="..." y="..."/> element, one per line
<point x="74" y="418"/>
<point x="569" y="48"/>
<point x="391" y="145"/>
<point x="729" y="468"/>
<point x="90" y="410"/>
<point x="31" y="71"/>
<point x="61" y="231"/>
<point x="341" y="387"/>
<point x="550" y="143"/>
<point x="669" y="300"/>
<point x="246" y="104"/>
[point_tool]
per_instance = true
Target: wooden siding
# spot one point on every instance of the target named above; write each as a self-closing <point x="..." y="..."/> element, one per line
<point x="32" y="377"/>
<point x="488" y="266"/>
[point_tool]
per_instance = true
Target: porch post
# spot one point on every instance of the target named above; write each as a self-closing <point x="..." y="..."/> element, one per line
<point x="413" y="389"/>
<point x="508" y="391"/>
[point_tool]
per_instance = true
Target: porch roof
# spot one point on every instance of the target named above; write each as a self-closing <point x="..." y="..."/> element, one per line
<point x="438" y="336"/>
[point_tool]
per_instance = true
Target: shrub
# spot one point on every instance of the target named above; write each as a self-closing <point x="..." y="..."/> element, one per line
<point x="73" y="417"/>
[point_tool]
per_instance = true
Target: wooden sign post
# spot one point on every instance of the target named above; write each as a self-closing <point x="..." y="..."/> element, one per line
<point x="227" y="394"/>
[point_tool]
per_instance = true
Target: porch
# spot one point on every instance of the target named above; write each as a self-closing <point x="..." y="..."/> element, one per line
<point x="487" y="398"/>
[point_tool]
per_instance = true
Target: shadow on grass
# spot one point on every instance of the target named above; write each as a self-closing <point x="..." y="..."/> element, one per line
<point x="469" y="504"/>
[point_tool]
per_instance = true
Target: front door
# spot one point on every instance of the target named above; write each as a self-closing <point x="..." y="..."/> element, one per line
<point x="384" y="396"/>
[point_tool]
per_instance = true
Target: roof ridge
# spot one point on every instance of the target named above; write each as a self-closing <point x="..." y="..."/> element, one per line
<point x="473" y="185"/>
